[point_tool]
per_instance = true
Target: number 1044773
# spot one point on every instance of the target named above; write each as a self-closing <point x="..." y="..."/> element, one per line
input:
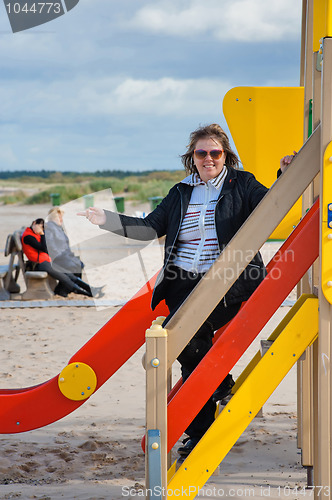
<point x="34" y="8"/>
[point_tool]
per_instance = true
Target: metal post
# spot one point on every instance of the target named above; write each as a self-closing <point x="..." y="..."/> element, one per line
<point x="156" y="412"/>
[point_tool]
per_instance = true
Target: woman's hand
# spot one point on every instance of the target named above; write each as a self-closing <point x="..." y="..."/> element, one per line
<point x="286" y="160"/>
<point x="94" y="215"/>
<point x="38" y="228"/>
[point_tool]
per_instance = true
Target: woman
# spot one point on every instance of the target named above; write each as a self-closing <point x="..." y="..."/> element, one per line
<point x="35" y="249"/>
<point x="199" y="216"/>
<point x="63" y="259"/>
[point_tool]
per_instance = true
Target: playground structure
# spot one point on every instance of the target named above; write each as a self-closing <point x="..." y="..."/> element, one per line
<point x="306" y="327"/>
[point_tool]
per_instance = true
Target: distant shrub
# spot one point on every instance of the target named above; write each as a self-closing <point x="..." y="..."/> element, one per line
<point x="16" y="197"/>
<point x="146" y="190"/>
<point x="67" y="193"/>
<point x="116" y="185"/>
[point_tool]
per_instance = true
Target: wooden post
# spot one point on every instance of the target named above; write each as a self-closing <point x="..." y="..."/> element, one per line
<point x="156" y="412"/>
<point x="305" y="367"/>
<point x="323" y="472"/>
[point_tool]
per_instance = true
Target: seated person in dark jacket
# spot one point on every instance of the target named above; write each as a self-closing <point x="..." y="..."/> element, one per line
<point x="35" y="249"/>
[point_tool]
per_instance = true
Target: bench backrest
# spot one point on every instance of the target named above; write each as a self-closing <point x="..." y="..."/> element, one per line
<point x="13" y="249"/>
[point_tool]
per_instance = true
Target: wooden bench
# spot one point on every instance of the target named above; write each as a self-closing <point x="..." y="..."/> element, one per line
<point x="9" y="272"/>
<point x="37" y="282"/>
<point x="38" y="286"/>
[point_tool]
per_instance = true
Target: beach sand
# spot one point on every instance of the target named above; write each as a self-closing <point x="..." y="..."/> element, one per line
<point x="95" y="452"/>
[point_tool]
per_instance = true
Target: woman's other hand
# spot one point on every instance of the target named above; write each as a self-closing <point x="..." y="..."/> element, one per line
<point x="286" y="160"/>
<point x="94" y="215"/>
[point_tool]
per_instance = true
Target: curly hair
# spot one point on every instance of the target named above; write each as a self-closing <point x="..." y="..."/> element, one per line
<point x="215" y="132"/>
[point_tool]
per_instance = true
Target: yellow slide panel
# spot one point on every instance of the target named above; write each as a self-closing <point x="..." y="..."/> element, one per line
<point x="322" y="21"/>
<point x="326" y="234"/>
<point x="266" y="123"/>
<point x="283" y="323"/>
<point x="300" y="332"/>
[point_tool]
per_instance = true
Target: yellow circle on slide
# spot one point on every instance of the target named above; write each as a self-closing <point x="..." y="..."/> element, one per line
<point x="77" y="381"/>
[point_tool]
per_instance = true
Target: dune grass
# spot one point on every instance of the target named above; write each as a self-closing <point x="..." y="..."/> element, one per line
<point x="70" y="187"/>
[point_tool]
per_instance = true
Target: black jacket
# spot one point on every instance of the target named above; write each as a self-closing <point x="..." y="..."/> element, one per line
<point x="240" y="194"/>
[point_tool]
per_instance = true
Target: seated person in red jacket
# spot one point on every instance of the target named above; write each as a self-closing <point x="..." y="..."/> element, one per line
<point x="34" y="247"/>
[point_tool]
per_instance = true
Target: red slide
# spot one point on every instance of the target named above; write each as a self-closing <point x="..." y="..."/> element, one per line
<point x="33" y="407"/>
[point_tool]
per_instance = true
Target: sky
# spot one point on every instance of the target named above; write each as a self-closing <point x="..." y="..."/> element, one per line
<point x="120" y="85"/>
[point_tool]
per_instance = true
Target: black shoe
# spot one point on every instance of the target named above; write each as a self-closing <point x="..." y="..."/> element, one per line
<point x="80" y="291"/>
<point x="224" y="389"/>
<point x="188" y="447"/>
<point x="81" y="284"/>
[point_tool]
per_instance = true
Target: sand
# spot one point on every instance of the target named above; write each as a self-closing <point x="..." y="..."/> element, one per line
<point x="95" y="453"/>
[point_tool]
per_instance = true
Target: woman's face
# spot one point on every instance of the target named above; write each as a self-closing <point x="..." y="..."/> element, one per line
<point x="59" y="219"/>
<point x="208" y="167"/>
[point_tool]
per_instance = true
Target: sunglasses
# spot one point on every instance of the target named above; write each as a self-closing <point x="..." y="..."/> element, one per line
<point x="215" y="154"/>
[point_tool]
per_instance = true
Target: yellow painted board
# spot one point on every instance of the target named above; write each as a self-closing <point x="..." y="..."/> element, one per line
<point x="266" y="123"/>
<point x="171" y="471"/>
<point x="322" y="21"/>
<point x="326" y="204"/>
<point x="283" y="323"/>
<point x="246" y="402"/>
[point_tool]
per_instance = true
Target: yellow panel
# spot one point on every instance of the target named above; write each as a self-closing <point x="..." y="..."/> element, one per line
<point x="274" y="335"/>
<point x="171" y="471"/>
<point x="326" y="204"/>
<point x="77" y="381"/>
<point x="266" y="123"/>
<point x="322" y="21"/>
<point x="247" y="401"/>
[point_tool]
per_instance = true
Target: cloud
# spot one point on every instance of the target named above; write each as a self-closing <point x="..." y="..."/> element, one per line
<point x="65" y="102"/>
<point x="236" y="20"/>
<point x="166" y="96"/>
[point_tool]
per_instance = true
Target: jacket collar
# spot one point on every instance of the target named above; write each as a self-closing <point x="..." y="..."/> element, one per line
<point x="195" y="180"/>
<point x="229" y="181"/>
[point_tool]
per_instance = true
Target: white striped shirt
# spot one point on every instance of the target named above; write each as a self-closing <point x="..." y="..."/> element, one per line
<point x="197" y="245"/>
